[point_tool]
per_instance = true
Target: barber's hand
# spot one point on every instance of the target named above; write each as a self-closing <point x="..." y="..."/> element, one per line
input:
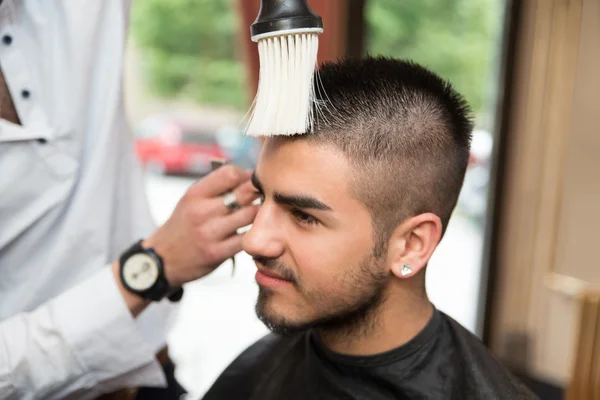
<point x="201" y="232"/>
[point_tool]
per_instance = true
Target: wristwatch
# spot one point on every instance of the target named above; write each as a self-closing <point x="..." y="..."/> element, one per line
<point x="142" y="273"/>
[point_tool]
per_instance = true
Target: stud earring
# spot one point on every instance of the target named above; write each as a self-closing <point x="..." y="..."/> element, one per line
<point x="406" y="270"/>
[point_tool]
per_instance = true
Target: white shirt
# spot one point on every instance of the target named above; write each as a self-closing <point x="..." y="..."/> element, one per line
<point x="69" y="206"/>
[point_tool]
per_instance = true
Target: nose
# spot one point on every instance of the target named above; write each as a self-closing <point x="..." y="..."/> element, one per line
<point x="265" y="237"/>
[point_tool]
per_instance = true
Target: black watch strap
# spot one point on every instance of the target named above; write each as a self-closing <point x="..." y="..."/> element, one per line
<point x="161" y="288"/>
<point x="176" y="295"/>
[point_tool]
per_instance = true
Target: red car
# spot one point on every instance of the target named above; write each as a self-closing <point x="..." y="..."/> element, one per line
<point x="167" y="147"/>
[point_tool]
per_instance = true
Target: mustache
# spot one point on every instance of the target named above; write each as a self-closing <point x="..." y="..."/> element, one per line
<point x="273" y="264"/>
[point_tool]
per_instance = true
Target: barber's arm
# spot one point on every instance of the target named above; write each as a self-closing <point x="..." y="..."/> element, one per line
<point x="201" y="233"/>
<point x="87" y="336"/>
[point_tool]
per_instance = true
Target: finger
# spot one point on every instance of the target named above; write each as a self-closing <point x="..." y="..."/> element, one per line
<point x="244" y="193"/>
<point x="222" y="180"/>
<point x="226" y="226"/>
<point x="230" y="246"/>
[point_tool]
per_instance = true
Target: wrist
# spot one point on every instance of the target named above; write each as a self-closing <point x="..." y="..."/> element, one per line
<point x="134" y="303"/>
<point x="142" y="273"/>
<point x="162" y="250"/>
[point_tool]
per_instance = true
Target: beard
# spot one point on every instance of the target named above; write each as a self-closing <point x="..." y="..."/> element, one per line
<point x="351" y="311"/>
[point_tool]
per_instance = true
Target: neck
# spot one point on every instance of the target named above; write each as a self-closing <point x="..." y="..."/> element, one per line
<point x="394" y="322"/>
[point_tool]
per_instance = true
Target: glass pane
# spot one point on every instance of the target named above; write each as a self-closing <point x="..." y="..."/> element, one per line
<point x="461" y="41"/>
<point x="186" y="86"/>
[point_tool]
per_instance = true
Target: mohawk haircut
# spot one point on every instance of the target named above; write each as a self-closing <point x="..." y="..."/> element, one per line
<point x="405" y="131"/>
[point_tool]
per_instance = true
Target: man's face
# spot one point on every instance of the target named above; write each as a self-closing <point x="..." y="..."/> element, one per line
<point x="312" y="241"/>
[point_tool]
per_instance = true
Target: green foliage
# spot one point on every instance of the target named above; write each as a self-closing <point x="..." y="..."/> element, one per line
<point x="189" y="49"/>
<point x="189" y="46"/>
<point x="458" y="39"/>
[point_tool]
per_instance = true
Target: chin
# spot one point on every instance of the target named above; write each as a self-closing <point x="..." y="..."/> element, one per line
<point x="282" y="317"/>
<point x="279" y="320"/>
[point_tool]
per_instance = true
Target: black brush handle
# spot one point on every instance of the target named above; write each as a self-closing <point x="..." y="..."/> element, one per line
<point x="280" y="15"/>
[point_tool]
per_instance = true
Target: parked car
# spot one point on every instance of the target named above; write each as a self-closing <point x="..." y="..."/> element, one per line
<point x="168" y="146"/>
<point x="239" y="149"/>
<point x="472" y="201"/>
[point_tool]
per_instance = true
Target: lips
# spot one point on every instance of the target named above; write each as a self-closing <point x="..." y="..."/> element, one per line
<point x="267" y="278"/>
<point x="272" y="274"/>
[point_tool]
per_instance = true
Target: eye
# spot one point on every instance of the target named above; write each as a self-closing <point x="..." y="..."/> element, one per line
<point x="304" y="218"/>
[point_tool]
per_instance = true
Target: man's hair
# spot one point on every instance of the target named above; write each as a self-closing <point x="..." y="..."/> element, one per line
<point x="405" y="131"/>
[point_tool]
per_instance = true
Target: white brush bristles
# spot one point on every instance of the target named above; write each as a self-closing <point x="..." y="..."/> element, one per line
<point x="285" y="95"/>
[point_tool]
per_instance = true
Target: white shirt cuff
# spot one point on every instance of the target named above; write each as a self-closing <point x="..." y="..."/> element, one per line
<point x="103" y="334"/>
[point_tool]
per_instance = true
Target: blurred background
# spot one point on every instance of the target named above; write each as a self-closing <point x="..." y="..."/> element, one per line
<point x="191" y="74"/>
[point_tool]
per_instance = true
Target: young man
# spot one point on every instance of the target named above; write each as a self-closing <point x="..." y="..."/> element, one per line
<point x="351" y="215"/>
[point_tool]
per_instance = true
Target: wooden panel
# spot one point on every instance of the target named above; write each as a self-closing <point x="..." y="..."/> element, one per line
<point x="547" y="257"/>
<point x="248" y="10"/>
<point x="585" y="383"/>
<point x="519" y="205"/>
<point x="552" y="321"/>
<point x="580" y="214"/>
<point x="544" y="321"/>
<point x="332" y="42"/>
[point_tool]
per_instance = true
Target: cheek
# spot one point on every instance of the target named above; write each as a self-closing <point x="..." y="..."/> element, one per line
<point x="324" y="256"/>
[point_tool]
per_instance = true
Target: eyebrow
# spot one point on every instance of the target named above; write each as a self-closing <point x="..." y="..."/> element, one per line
<point x="256" y="182"/>
<point x="298" y="201"/>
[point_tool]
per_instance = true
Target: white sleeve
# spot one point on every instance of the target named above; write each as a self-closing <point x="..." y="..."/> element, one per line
<point x="82" y="340"/>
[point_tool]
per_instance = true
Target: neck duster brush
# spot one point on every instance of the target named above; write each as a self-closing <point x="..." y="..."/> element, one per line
<point x="287" y="35"/>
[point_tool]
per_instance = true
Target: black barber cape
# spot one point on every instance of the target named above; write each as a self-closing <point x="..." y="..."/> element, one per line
<point x="444" y="361"/>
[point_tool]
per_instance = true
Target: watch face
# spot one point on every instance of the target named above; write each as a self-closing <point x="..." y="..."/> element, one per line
<point x="140" y="272"/>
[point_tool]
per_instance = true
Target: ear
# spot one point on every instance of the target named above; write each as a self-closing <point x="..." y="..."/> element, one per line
<point x="412" y="243"/>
